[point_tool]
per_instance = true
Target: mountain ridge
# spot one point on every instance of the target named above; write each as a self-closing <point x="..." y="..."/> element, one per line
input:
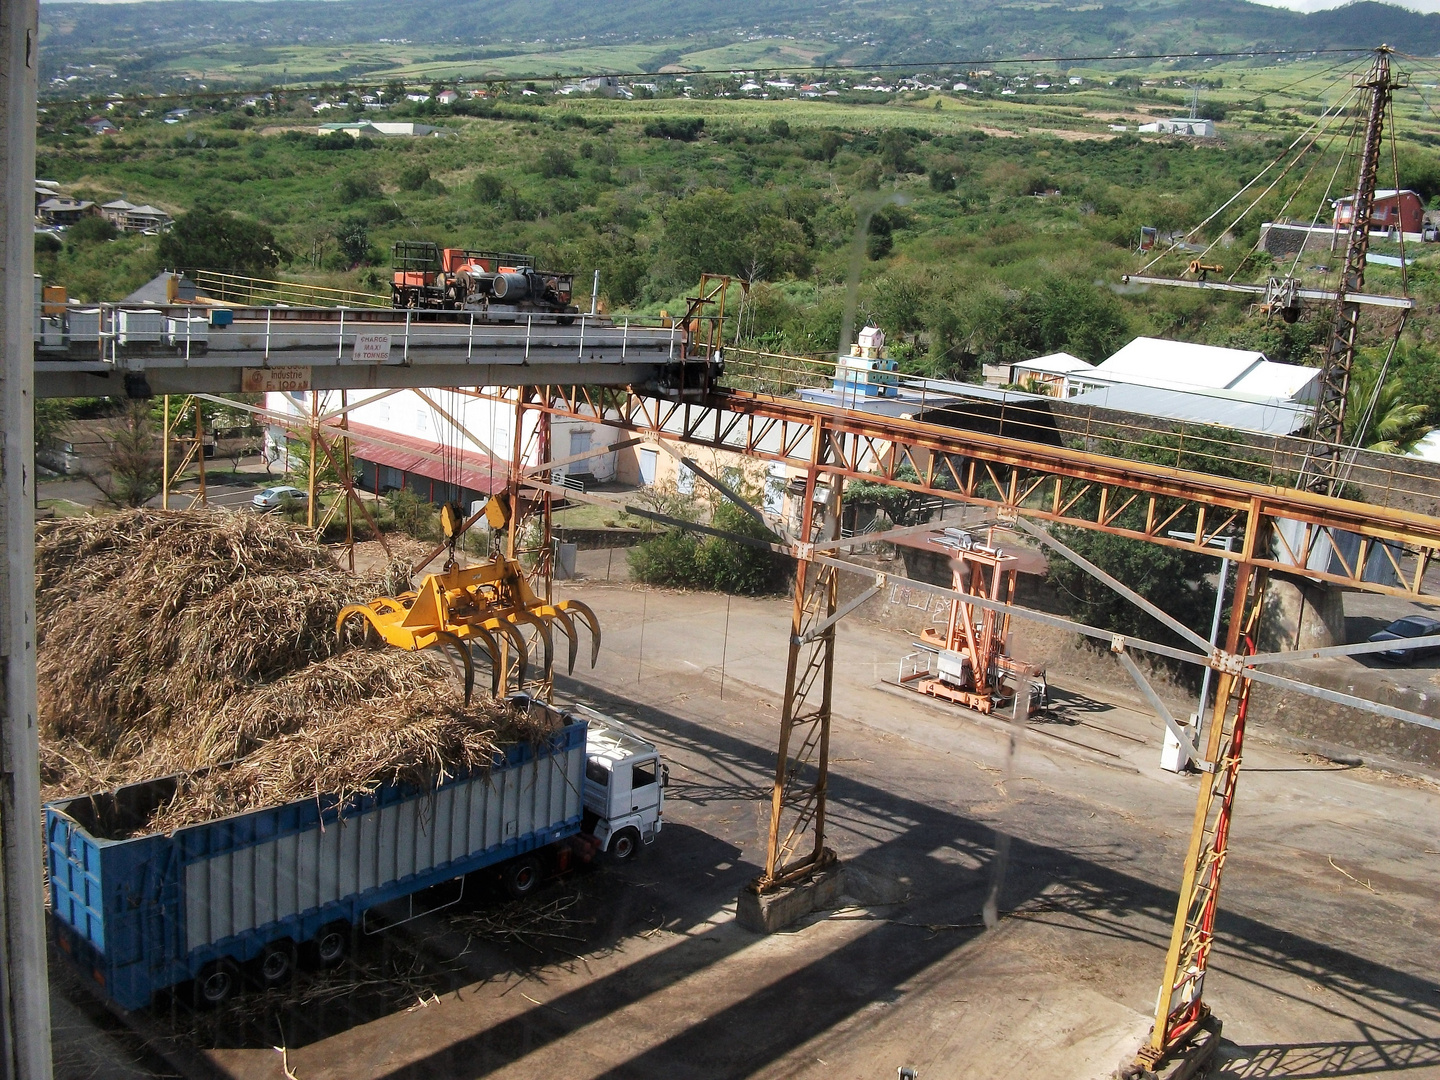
<point x="860" y="31"/>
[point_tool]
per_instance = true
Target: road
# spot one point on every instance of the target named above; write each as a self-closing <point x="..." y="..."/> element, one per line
<point x="1324" y="964"/>
<point x="231" y="494"/>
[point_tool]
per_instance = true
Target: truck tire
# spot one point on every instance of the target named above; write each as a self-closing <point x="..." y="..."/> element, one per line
<point x="521" y="877"/>
<point x="216" y="983"/>
<point x="276" y="964"/>
<point x="331" y="944"/>
<point x="625" y="845"/>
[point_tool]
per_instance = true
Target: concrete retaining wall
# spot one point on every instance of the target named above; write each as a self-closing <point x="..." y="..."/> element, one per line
<point x="1338" y="727"/>
<point x="592" y="539"/>
<point x="1285" y="715"/>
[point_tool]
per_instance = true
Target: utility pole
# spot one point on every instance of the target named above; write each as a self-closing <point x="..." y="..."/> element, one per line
<point x="1323" y="467"/>
<point x="24" y="982"/>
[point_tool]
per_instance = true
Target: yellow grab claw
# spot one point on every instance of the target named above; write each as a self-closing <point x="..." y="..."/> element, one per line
<point x="583" y="610"/>
<point x="567" y="627"/>
<point x="472" y="607"/>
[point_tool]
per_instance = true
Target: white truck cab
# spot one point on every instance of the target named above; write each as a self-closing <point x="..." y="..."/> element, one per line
<point x="625" y="779"/>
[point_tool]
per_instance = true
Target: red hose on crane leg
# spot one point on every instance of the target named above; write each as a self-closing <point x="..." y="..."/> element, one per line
<point x="1196" y="1012"/>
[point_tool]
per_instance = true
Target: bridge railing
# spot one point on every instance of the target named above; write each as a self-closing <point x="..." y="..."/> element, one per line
<point x="255" y="292"/>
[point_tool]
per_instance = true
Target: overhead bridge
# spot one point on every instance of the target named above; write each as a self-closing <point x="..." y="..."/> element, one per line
<point x="111" y="350"/>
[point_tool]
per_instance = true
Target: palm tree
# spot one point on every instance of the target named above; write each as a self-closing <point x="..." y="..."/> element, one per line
<point x="1385" y="423"/>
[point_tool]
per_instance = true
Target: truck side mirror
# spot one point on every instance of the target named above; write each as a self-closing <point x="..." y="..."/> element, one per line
<point x="664" y="775"/>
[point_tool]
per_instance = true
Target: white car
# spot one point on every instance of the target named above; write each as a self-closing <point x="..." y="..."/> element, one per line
<point x="274" y="496"/>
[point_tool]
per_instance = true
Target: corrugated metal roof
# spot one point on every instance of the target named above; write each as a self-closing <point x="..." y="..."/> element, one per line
<point x="406" y="453"/>
<point x="1274" y="417"/>
<point x="1271" y="380"/>
<point x="1155" y="361"/>
<point x="918" y="396"/>
<point x="1183" y="365"/>
<point x="1060" y="363"/>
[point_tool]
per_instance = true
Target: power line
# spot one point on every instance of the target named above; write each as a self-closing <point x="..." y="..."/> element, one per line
<point x="955" y="62"/>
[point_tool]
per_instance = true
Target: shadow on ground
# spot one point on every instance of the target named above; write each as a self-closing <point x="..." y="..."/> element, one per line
<point x="682" y="883"/>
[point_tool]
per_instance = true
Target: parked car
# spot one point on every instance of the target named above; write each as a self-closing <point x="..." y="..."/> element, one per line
<point x="1412" y="626"/>
<point x="272" y="497"/>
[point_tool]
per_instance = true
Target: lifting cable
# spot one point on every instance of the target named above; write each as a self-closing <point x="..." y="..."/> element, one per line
<point x="1300" y="187"/>
<point x="1273" y="184"/>
<point x="1345" y="156"/>
<point x="1285" y="153"/>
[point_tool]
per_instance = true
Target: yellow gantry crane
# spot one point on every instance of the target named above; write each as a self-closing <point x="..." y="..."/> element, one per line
<point x="478" y="607"/>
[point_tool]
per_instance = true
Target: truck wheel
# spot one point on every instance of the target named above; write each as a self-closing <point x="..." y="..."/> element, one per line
<point x="331" y="944"/>
<point x="625" y="845"/>
<point x="215" y="984"/>
<point x="522" y="877"/>
<point x="276" y="964"/>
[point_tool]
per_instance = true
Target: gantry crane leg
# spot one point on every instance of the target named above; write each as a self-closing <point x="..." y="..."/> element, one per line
<point x="1180" y="1007"/>
<point x="797" y="807"/>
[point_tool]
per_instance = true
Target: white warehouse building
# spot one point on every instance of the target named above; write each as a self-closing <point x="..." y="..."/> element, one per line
<point x="443" y="444"/>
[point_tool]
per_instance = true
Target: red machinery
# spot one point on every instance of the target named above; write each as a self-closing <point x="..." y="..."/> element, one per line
<point x="425" y="275"/>
<point x="968" y="664"/>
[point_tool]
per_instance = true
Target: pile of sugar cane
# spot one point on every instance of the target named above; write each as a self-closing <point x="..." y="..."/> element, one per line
<point x="174" y="642"/>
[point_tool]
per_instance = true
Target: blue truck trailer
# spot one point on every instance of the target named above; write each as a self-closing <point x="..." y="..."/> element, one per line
<point x="145" y="912"/>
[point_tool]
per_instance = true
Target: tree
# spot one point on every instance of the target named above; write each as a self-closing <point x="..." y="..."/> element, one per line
<point x="132" y="458"/>
<point x="878" y="241"/>
<point x="722" y="233"/>
<point x="895" y="151"/>
<point x="684" y="130"/>
<point x="353" y="189"/>
<point x="1001" y="325"/>
<point x="207" y="239"/>
<point x="413" y="177"/>
<point x="1387" y="422"/>
<point x="487" y="188"/>
<point x="51" y="417"/>
<point x="555" y="164"/>
<point x="412" y="515"/>
<point x="91" y="230"/>
<point x="735" y="567"/>
<point x="354" y="242"/>
<point x="680" y="559"/>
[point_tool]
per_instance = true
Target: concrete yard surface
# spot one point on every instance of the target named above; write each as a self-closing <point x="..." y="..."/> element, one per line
<point x="1325" y="961"/>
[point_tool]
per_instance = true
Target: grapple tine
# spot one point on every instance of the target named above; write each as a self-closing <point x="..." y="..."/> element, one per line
<point x="567" y="626"/>
<point x="517" y="640"/>
<point x="444" y="637"/>
<point x="547" y="639"/>
<point x="583" y="610"/>
<point x="355" y="609"/>
<point x="493" y="648"/>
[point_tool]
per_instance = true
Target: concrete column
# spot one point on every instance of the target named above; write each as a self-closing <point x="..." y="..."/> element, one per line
<point x="24" y="989"/>
<point x="1302" y="614"/>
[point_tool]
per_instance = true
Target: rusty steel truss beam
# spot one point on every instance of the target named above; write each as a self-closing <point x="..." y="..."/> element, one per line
<point x="1313" y="536"/>
<point x="1305" y="534"/>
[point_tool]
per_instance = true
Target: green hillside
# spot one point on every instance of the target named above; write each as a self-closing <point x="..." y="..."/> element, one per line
<point x="290" y="37"/>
